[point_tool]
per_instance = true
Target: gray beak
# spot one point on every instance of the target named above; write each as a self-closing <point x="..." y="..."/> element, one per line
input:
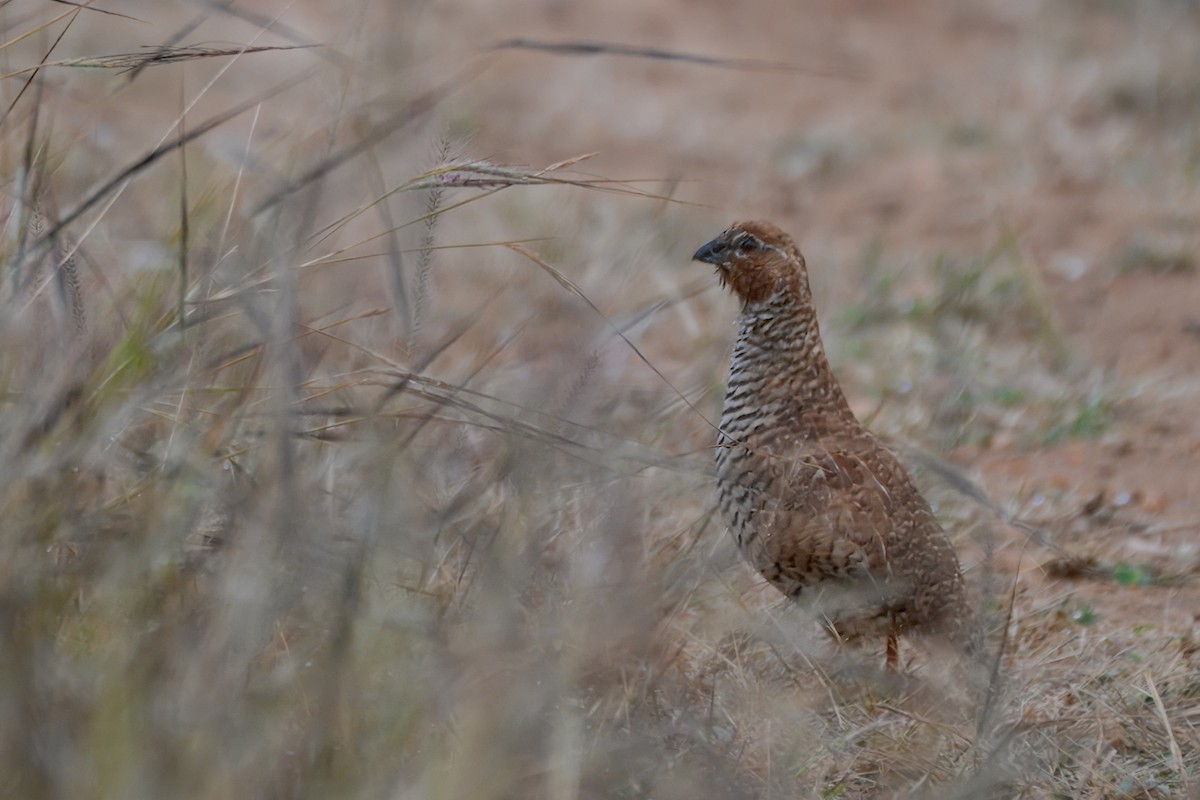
<point x="711" y="252"/>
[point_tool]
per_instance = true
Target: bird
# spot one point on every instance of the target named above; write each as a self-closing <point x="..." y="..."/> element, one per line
<point x="815" y="501"/>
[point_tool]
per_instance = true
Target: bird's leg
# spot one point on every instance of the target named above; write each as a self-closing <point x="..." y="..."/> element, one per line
<point x="893" y="651"/>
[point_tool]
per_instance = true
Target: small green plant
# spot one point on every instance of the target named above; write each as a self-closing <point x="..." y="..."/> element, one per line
<point x="833" y="792"/>
<point x="1128" y="574"/>
<point x="1084" y="614"/>
<point x="1091" y="420"/>
<point x="1008" y="396"/>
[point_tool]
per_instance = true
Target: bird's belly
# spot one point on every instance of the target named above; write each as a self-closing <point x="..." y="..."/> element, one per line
<point x="784" y="527"/>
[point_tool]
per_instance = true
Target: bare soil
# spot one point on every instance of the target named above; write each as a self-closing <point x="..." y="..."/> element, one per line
<point x="926" y="129"/>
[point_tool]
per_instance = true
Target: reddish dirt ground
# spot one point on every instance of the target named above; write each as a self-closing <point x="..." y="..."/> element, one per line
<point x="931" y="128"/>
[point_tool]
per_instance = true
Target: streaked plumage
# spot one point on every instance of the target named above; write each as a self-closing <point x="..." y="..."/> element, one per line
<point x="816" y="503"/>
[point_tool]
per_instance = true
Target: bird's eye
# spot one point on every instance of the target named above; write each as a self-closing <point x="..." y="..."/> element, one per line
<point x="747" y="245"/>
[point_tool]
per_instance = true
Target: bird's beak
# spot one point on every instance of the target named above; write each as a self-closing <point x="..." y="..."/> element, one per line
<point x="711" y="251"/>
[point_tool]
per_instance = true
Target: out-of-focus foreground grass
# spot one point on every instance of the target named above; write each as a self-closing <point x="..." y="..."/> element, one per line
<point x="324" y="473"/>
<point x="313" y="487"/>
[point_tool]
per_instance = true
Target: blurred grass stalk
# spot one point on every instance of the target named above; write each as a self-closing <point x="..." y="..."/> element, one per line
<point x="268" y="554"/>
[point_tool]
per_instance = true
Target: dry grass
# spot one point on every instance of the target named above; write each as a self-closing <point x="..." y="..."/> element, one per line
<point x="339" y="460"/>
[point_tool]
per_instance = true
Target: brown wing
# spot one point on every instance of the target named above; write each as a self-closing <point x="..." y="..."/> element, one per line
<point x="843" y="517"/>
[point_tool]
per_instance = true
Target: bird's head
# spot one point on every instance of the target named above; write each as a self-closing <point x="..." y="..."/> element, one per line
<point x="756" y="260"/>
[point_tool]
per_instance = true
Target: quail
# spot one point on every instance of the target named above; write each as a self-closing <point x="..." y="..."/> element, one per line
<point x="817" y="504"/>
